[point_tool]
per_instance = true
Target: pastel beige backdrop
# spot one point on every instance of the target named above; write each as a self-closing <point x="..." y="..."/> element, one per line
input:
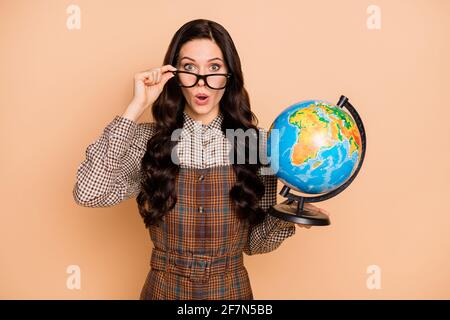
<point x="60" y="88"/>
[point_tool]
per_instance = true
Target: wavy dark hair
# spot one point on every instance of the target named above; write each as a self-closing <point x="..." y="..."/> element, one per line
<point x="158" y="192"/>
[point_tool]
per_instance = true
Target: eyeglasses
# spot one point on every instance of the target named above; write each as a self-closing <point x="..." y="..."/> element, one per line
<point x="215" y="81"/>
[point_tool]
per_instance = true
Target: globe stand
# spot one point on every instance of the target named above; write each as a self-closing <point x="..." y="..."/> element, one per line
<point x="292" y="209"/>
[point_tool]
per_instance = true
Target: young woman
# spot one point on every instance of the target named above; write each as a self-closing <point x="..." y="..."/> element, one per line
<point x="203" y="209"/>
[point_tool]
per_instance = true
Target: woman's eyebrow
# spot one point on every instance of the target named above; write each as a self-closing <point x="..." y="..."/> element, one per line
<point x="208" y="60"/>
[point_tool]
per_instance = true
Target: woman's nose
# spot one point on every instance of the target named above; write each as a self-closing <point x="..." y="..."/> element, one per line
<point x="201" y="82"/>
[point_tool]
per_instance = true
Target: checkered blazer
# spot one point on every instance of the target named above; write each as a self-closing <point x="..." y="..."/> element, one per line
<point x="111" y="171"/>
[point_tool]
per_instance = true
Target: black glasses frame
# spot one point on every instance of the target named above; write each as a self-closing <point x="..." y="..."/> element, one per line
<point x="202" y="76"/>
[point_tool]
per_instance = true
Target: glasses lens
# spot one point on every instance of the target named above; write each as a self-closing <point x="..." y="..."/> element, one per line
<point x="217" y="81"/>
<point x="187" y="79"/>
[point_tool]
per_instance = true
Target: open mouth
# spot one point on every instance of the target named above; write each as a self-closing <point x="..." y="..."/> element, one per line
<point x="201" y="96"/>
<point x="201" y="99"/>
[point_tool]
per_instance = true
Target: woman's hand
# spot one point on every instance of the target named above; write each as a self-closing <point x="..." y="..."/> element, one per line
<point x="311" y="207"/>
<point x="148" y="85"/>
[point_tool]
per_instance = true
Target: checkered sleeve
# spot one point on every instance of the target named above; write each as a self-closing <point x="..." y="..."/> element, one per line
<point x="111" y="171"/>
<point x="271" y="232"/>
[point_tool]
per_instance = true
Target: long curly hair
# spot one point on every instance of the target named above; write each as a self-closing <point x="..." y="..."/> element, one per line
<point x="158" y="192"/>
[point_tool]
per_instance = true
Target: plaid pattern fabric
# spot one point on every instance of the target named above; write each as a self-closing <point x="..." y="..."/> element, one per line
<point x="111" y="173"/>
<point x="198" y="246"/>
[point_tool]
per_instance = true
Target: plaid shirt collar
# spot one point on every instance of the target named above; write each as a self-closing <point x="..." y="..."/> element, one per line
<point x="193" y="126"/>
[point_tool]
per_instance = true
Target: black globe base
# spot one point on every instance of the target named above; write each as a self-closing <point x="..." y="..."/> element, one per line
<point x="289" y="211"/>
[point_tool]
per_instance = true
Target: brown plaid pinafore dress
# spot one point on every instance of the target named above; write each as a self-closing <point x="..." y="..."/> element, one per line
<point x="198" y="249"/>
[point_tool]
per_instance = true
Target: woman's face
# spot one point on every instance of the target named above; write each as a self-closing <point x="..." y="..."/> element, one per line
<point x="202" y="56"/>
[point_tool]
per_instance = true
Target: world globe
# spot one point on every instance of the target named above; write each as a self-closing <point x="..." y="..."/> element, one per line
<point x="319" y="146"/>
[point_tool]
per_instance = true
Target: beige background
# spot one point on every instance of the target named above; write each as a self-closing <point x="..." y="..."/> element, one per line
<point x="60" y="87"/>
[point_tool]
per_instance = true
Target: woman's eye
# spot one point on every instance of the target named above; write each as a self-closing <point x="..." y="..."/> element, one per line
<point x="216" y="65"/>
<point x="187" y="64"/>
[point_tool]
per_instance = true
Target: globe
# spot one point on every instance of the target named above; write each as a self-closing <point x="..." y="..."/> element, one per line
<point x="319" y="146"/>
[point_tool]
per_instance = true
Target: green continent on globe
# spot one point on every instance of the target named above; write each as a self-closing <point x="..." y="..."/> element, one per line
<point x="321" y="126"/>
